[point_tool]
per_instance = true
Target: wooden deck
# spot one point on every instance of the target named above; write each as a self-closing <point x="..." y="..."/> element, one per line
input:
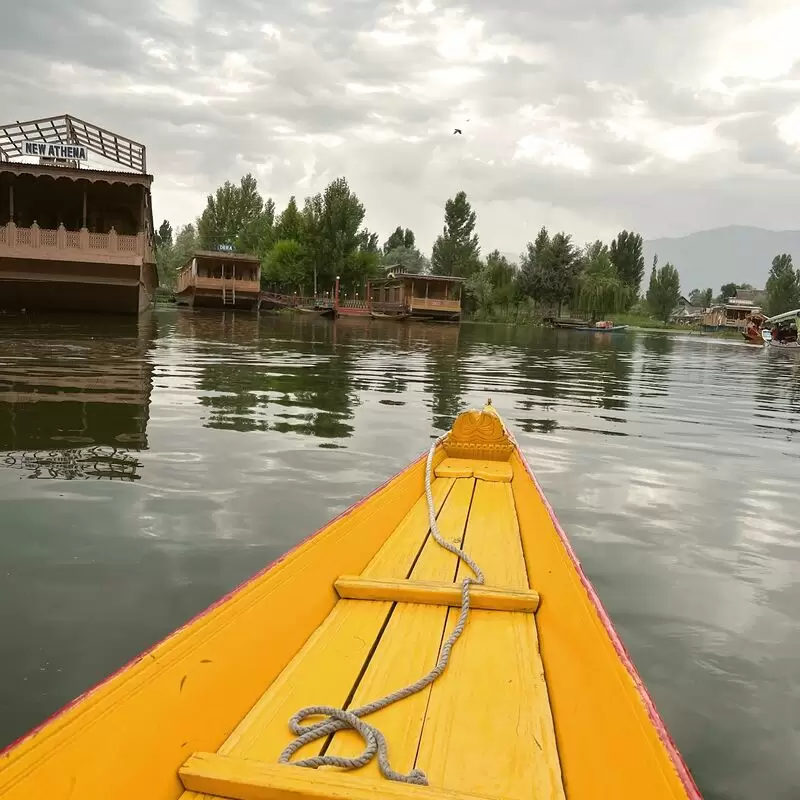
<point x="470" y="737"/>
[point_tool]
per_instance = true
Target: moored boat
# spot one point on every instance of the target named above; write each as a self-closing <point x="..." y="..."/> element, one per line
<point x="752" y="328"/>
<point x="780" y="331"/>
<point x="603" y="326"/>
<point x="566" y="322"/>
<point x="454" y="580"/>
<point x="393" y="317"/>
<point x="329" y="311"/>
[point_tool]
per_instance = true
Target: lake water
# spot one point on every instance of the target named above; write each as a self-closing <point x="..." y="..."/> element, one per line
<point x="148" y="467"/>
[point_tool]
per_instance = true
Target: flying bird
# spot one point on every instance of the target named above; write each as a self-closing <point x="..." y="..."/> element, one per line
<point x="457" y="130"/>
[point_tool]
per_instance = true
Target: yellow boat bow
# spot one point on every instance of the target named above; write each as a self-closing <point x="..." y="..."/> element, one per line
<point x="461" y="590"/>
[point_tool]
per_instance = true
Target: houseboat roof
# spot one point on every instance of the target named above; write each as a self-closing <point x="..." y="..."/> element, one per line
<point x="786" y="315"/>
<point x="419" y="276"/>
<point x="76" y="173"/>
<point x="67" y="138"/>
<point x="226" y="255"/>
<point x="751" y="307"/>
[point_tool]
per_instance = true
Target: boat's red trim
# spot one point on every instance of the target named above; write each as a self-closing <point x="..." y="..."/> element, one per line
<point x="677" y="760"/>
<point x="208" y="610"/>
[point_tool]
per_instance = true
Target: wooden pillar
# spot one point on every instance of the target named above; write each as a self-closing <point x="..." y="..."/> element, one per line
<point x="84" y="207"/>
<point x="11" y="200"/>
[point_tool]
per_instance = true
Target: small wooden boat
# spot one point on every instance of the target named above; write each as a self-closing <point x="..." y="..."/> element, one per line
<point x="583" y="325"/>
<point x="566" y="322"/>
<point x="781" y="331"/>
<point x="606" y="329"/>
<point x="393" y="317"/>
<point x="328" y="311"/>
<point x="455" y="580"/>
<point x="752" y="329"/>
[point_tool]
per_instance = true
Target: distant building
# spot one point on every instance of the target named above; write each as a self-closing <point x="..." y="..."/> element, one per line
<point x="731" y="314"/>
<point x="687" y="313"/>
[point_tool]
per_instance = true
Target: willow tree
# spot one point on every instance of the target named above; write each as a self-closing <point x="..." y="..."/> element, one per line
<point x="601" y="290"/>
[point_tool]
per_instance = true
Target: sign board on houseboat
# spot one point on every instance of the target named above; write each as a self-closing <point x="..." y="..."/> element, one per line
<point x="67" y="152"/>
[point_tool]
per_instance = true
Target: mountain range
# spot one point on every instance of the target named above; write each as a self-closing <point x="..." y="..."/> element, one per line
<point x="734" y="254"/>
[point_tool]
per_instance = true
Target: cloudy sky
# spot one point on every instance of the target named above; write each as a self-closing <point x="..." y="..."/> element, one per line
<point x="666" y="116"/>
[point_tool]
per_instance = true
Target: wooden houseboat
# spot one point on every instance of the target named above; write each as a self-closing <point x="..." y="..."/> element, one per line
<point x="733" y="314"/>
<point x="435" y="297"/>
<point x="220" y="279"/>
<point x="74" y="235"/>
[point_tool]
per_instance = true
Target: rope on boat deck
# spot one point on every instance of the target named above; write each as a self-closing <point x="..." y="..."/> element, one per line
<point x="339" y="719"/>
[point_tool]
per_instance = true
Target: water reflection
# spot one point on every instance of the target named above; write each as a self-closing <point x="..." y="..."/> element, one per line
<point x="87" y="462"/>
<point x="777" y="396"/>
<point x="74" y="396"/>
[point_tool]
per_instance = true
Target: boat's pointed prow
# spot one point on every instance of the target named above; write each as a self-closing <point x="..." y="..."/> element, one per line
<point x="479" y="434"/>
<point x="445" y="619"/>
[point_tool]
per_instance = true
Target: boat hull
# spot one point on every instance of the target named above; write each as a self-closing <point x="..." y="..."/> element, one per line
<point x="612" y="329"/>
<point x="391" y="317"/>
<point x="190" y="695"/>
<point x="315" y="312"/>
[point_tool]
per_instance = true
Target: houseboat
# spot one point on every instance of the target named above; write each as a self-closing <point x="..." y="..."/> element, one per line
<point x="74" y="234"/>
<point x="408" y="295"/>
<point x="733" y="314"/>
<point x="220" y="279"/>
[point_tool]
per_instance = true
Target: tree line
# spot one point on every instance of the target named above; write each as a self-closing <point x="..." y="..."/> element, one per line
<point x="304" y="247"/>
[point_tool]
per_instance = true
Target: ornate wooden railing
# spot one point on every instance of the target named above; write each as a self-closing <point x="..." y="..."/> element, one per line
<point x="39" y="242"/>
<point x="186" y="279"/>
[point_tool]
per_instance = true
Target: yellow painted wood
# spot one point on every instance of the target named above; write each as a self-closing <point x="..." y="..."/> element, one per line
<point x="455" y="468"/>
<point x="479" y="434"/>
<point x="326" y="669"/>
<point x="478" y="468"/>
<point x="255" y="780"/>
<point x="192" y="689"/>
<point x="409" y="648"/>
<point x="435" y="563"/>
<point x="398" y="554"/>
<point x="322" y="673"/>
<point x="493" y="538"/>
<point x="493" y="471"/>
<point x="607" y="744"/>
<point x="490" y="707"/>
<point x="488" y="729"/>
<point x="490" y="598"/>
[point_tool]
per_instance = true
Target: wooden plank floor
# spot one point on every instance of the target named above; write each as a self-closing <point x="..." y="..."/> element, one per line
<point x="485" y="727"/>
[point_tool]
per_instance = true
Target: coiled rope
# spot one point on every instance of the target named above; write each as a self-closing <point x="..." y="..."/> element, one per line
<point x="339" y="719"/>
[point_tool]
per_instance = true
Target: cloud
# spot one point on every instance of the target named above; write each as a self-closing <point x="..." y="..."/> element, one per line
<point x="662" y="116"/>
